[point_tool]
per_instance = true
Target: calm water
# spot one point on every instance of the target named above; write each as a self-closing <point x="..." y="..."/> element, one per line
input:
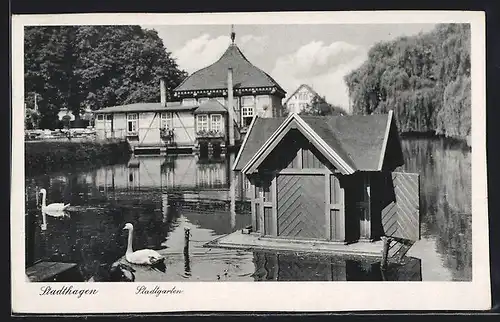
<point x="163" y="195"/>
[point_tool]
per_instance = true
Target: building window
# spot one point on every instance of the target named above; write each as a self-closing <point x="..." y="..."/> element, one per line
<point x="189" y="101"/>
<point x="202" y="122"/>
<point x="216" y="122"/>
<point x="109" y="117"/>
<point x="247" y="109"/>
<point x="166" y="120"/>
<point x="291" y="106"/>
<point x="100" y="117"/>
<point x="132" y="123"/>
<point x="202" y="100"/>
<point x="302" y="106"/>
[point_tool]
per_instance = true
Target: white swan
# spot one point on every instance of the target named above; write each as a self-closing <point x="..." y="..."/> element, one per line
<point x="143" y="256"/>
<point x="54" y="209"/>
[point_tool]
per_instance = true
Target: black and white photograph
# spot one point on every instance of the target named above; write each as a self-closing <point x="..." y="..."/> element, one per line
<point x="164" y="150"/>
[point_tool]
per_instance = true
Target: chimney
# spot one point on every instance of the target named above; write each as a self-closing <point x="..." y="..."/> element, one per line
<point x="230" y="107"/>
<point x="163" y="93"/>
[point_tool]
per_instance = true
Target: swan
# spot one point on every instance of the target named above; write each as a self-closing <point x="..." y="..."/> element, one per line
<point x="54" y="209"/>
<point x="143" y="256"/>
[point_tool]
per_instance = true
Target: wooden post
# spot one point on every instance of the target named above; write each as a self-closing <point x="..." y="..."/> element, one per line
<point x="187" y="264"/>
<point x="385" y="252"/>
<point x="230" y="107"/>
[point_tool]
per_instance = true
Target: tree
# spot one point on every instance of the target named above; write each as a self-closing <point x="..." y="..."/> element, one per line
<point x="425" y="79"/>
<point x="31" y="119"/>
<point x="320" y="107"/>
<point x="97" y="66"/>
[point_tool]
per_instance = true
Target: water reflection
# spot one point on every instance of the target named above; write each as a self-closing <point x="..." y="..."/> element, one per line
<point x="162" y="196"/>
<point x="291" y="267"/>
<point x="446" y="202"/>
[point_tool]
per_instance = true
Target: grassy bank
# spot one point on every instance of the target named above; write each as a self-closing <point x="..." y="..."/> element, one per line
<point x="42" y="157"/>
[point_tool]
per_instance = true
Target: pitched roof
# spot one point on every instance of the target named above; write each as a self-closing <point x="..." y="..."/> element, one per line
<point x="309" y="88"/>
<point x="214" y="76"/>
<point x="358" y="139"/>
<point x="145" y="107"/>
<point x="211" y="106"/>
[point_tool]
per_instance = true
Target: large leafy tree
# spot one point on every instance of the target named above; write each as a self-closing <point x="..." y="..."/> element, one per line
<point x="425" y="79"/>
<point x="95" y="66"/>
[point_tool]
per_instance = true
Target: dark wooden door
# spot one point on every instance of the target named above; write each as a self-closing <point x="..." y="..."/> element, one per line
<point x="301" y="206"/>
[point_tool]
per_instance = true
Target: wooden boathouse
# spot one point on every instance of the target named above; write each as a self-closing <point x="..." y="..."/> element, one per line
<point x="330" y="179"/>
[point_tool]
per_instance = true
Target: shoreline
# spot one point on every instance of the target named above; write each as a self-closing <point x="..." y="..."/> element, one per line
<point x="50" y="156"/>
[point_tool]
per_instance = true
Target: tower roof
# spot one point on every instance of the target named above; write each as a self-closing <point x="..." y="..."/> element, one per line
<point x="214" y="76"/>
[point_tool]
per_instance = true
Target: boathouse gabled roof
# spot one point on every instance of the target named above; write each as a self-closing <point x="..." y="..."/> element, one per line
<point x="214" y="76"/>
<point x="146" y="107"/>
<point x="352" y="142"/>
<point x="211" y="106"/>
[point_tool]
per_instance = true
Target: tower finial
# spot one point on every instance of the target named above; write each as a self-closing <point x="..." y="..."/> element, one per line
<point x="233" y="35"/>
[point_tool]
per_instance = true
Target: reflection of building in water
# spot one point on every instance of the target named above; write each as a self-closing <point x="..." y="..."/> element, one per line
<point x="287" y="267"/>
<point x="173" y="173"/>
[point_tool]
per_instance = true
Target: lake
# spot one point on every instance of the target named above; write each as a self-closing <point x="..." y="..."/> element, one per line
<point x="163" y="195"/>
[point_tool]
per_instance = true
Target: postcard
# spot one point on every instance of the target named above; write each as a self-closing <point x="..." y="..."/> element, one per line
<point x="286" y="161"/>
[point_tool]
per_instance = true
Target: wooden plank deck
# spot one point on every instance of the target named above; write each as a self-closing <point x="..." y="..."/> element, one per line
<point x="249" y="242"/>
<point x="47" y="271"/>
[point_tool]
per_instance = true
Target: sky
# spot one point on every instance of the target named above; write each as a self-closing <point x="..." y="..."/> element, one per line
<point x="317" y="55"/>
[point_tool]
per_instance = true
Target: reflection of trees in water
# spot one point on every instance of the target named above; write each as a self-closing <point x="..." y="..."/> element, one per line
<point x="445" y="192"/>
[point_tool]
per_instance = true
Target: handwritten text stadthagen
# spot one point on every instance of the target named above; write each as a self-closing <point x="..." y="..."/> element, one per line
<point x="156" y="291"/>
<point x="67" y="290"/>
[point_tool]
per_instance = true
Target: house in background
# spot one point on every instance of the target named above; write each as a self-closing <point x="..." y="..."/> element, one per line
<point x="299" y="100"/>
<point x="212" y="107"/>
<point x="329" y="178"/>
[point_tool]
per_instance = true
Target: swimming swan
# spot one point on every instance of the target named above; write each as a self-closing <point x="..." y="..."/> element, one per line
<point x="143" y="256"/>
<point x="54" y="208"/>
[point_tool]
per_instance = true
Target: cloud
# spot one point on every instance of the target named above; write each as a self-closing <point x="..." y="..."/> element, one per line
<point x="200" y="52"/>
<point x="321" y="66"/>
<point x="204" y="50"/>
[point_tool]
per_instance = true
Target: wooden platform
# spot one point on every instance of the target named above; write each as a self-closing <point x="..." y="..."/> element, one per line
<point x="250" y="242"/>
<point x="48" y="271"/>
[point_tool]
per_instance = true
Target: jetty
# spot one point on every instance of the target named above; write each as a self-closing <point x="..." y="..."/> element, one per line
<point x="45" y="271"/>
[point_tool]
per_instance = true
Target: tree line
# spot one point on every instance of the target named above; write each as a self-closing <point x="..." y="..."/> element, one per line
<point x="76" y="67"/>
<point x="424" y="79"/>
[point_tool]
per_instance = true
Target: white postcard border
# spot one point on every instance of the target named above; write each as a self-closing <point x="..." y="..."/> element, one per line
<point x="265" y="296"/>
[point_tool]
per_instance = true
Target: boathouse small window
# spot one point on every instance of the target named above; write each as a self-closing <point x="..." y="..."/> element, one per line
<point x="166" y="120"/>
<point x="132" y="122"/>
<point x="100" y="117"/>
<point x="202" y="122"/>
<point x="216" y="122"/>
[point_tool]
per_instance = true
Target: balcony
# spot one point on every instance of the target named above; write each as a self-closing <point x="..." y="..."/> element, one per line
<point x="203" y="134"/>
